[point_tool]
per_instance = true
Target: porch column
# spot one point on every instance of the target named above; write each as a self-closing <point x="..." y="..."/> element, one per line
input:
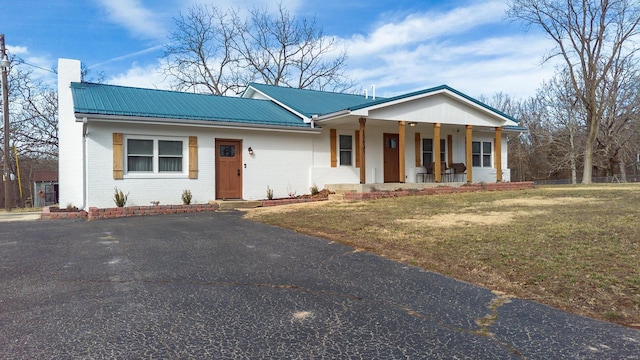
<point x="402" y="143"/>
<point x="449" y="150"/>
<point x="469" y="154"/>
<point x="361" y="152"/>
<point x="498" y="161"/>
<point x="437" y="166"/>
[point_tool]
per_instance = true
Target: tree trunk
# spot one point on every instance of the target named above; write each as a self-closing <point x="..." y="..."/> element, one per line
<point x="572" y="159"/>
<point x="623" y="171"/>
<point x="593" y="124"/>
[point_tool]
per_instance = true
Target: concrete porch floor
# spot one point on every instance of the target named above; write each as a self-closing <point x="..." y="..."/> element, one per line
<point x="362" y="188"/>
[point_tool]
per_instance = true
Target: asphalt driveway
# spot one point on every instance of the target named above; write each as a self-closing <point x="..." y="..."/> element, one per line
<point x="213" y="285"/>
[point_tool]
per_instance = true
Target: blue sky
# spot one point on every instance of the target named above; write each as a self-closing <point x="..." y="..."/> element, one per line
<point x="399" y="46"/>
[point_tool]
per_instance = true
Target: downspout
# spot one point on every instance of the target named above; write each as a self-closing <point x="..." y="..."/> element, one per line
<point x="85" y="132"/>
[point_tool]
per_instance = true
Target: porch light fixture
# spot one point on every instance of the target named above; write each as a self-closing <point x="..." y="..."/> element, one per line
<point x="413" y="124"/>
<point x="250" y="150"/>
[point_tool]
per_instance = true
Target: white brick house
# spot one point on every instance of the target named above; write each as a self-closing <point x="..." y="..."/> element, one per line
<point x="154" y="144"/>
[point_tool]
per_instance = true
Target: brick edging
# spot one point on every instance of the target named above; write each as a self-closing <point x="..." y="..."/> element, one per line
<point x="107" y="213"/>
<point x="48" y="215"/>
<point x="441" y="190"/>
<point x="95" y="213"/>
<point x="277" y="202"/>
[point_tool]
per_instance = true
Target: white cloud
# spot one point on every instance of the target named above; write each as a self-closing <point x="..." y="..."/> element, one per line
<point x="40" y="67"/>
<point x="136" y="18"/>
<point x="17" y="50"/>
<point x="148" y="76"/>
<point x="470" y="48"/>
<point x="454" y="48"/>
<point x="421" y="27"/>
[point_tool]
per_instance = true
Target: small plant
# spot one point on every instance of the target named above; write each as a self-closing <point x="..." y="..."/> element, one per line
<point x="314" y="190"/>
<point x="186" y="197"/>
<point x="269" y="193"/>
<point x="120" y="198"/>
<point x="70" y="207"/>
<point x="290" y="191"/>
<point x="155" y="203"/>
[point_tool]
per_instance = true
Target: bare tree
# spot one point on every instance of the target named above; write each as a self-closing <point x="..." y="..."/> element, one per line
<point x="33" y="109"/>
<point x="200" y="56"/>
<point x="593" y="37"/>
<point x="620" y="125"/>
<point x="284" y="50"/>
<point x="219" y="52"/>
<point x="527" y="150"/>
<point x="35" y="129"/>
<point x="565" y="119"/>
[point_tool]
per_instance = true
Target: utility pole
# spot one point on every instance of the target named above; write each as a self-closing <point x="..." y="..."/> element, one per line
<point x="5" y="115"/>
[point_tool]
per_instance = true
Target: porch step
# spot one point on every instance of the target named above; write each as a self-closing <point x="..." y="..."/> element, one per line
<point x="345" y="191"/>
<point x="236" y="204"/>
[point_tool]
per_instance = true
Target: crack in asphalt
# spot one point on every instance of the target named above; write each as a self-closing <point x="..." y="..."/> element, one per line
<point x="484" y="322"/>
<point x="224" y="283"/>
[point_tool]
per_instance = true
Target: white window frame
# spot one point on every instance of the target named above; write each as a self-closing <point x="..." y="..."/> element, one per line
<point x="155" y="173"/>
<point x="483" y="154"/>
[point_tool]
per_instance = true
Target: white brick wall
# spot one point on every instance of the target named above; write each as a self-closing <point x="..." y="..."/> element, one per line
<point x="280" y="161"/>
<point x="286" y="162"/>
<point x="70" y="174"/>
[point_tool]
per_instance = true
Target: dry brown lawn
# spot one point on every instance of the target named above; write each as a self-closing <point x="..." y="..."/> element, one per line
<point x="572" y="247"/>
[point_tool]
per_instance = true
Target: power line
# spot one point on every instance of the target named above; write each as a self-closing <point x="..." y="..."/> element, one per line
<point x="35" y="66"/>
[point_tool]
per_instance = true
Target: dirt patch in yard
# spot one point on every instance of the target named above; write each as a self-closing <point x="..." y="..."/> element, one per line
<point x="543" y="201"/>
<point x="470" y="219"/>
<point x="256" y="212"/>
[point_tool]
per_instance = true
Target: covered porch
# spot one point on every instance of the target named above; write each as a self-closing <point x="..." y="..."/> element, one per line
<point x="430" y="137"/>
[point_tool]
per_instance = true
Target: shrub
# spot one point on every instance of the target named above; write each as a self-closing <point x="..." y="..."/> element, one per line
<point x="269" y="193"/>
<point x="186" y="197"/>
<point x="120" y="198"/>
<point x="314" y="190"/>
<point x="291" y="191"/>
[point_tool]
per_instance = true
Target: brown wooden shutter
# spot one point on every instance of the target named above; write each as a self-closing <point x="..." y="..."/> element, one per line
<point x="193" y="157"/>
<point x="118" y="156"/>
<point x="418" y="154"/>
<point x="357" y="148"/>
<point x="334" y="157"/>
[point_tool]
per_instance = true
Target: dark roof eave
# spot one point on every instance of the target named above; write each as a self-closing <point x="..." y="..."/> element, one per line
<point x="194" y="122"/>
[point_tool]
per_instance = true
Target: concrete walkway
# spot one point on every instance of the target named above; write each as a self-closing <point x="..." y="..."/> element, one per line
<point x="19" y="216"/>
<point x="212" y="285"/>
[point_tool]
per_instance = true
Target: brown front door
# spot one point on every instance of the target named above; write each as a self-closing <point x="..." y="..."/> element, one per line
<point x="228" y="169"/>
<point x="391" y="158"/>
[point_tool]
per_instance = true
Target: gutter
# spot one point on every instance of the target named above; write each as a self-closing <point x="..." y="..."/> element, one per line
<point x="333" y="115"/>
<point x="198" y="123"/>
